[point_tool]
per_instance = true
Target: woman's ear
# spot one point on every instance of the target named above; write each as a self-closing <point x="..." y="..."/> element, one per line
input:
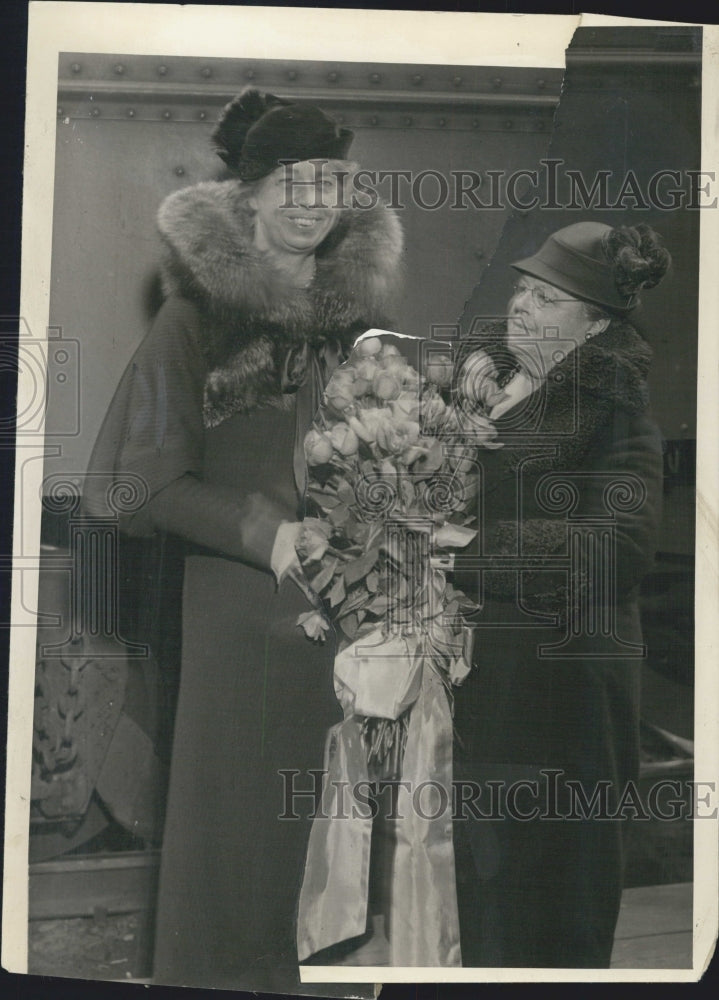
<point x="598" y="326"/>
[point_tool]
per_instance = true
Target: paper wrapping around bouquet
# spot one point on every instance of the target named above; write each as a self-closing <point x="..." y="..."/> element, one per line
<point x="378" y="677"/>
<point x="333" y="906"/>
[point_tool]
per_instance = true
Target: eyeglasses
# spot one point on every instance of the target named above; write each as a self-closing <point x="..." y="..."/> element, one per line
<point x="539" y="296"/>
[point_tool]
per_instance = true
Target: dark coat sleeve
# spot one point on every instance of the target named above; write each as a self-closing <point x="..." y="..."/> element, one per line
<point x="619" y="482"/>
<point x="628" y="463"/>
<point x="152" y="439"/>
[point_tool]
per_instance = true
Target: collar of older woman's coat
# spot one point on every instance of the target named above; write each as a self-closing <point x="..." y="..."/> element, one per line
<point x="579" y="397"/>
<point x="210" y="258"/>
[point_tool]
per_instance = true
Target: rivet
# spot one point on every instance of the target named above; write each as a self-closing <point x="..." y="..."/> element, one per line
<point x="249" y="74"/>
<point x="442" y="122"/>
<point x="76" y="68"/>
<point x="509" y="124"/>
<point x="119" y="69"/>
<point x="417" y="79"/>
<point x="407" y="120"/>
<point x="457" y="81"/>
<point x="333" y="77"/>
<point x="202" y="115"/>
<point x="162" y="70"/>
<point x="340" y="119"/>
<point x="95" y="112"/>
<point x="374" y="120"/>
<point x="61" y="377"/>
<point x="541" y="84"/>
<point x="292" y="74"/>
<point x="167" y="115"/>
<point x="180" y="171"/>
<point x="478" y="253"/>
<point x="497" y="82"/>
<point x="375" y="77"/>
<point x="60" y="112"/>
<point x="130" y="112"/>
<point x="206" y="72"/>
<point x="475" y="123"/>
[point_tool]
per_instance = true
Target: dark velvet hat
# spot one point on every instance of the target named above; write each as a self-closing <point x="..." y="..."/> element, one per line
<point x="258" y="132"/>
<point x="575" y="259"/>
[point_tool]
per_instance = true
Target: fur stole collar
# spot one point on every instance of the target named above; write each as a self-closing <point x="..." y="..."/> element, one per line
<point x="576" y="401"/>
<point x="254" y="316"/>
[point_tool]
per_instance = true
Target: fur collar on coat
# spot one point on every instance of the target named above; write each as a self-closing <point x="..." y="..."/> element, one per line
<point x="254" y="316"/>
<point x="574" y="411"/>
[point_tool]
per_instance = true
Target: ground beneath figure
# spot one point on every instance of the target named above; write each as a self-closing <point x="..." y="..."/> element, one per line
<point x="99" y="947"/>
<point x="654" y="932"/>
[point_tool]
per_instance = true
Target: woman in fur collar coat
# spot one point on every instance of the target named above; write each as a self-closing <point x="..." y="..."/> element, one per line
<point x="554" y="698"/>
<point x="268" y="280"/>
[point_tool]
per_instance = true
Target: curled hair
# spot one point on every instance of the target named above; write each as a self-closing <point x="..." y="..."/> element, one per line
<point x="637" y="257"/>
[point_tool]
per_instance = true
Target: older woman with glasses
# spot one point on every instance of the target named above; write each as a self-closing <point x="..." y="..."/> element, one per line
<point x="548" y="722"/>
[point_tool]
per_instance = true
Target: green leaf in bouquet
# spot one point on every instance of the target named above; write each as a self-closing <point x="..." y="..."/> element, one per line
<point x="379" y="605"/>
<point x="338" y="592"/>
<point x="349" y="625"/>
<point x="451" y="608"/>
<point x="321" y="579"/>
<point x="357" y="569"/>
<point x="325" y="498"/>
<point x="367" y="627"/>
<point x="407" y="490"/>
<point x="427" y="464"/>
<point x="400" y="588"/>
<point x="339" y="515"/>
<point x="346" y="493"/>
<point x="355" y="599"/>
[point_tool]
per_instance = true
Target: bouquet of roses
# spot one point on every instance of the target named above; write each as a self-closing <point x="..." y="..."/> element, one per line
<point x="391" y="487"/>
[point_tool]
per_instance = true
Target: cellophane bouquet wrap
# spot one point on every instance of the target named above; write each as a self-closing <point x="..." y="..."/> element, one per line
<point x="391" y="492"/>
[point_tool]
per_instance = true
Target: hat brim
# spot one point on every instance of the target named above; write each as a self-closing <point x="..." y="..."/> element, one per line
<point x="545" y="272"/>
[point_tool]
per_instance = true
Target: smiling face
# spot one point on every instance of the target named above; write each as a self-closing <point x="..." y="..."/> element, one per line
<point x="537" y="309"/>
<point x="296" y="207"/>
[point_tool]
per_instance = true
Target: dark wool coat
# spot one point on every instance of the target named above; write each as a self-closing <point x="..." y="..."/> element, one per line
<point x="201" y="417"/>
<point x="579" y="455"/>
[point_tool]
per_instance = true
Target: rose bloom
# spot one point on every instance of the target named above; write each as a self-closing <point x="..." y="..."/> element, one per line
<point x="394" y="363"/>
<point x="410" y="378"/>
<point x="313" y="538"/>
<point x="367" y="368"/>
<point x="434" y="409"/>
<point x="385" y="385"/>
<point x="344" y="439"/>
<point x="368" y="347"/>
<point x="318" y="448"/>
<point x="339" y="392"/>
<point x="314" y="625"/>
<point x="395" y="436"/>
<point x="439" y="370"/>
<point x="406" y="406"/>
<point x="366" y="424"/>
